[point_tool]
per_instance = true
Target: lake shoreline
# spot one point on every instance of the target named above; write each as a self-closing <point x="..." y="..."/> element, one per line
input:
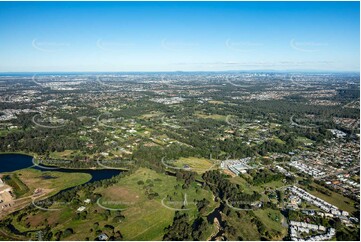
<point x="59" y="167"/>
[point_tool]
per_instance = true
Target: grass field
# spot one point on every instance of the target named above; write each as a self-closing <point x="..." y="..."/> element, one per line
<point x="244" y="226"/>
<point x="211" y="116"/>
<point x="304" y="140"/>
<point x="145" y="218"/>
<point x="247" y="229"/>
<point x="278" y="140"/>
<point x="272" y="219"/>
<point x="19" y="188"/>
<point x="53" y="180"/>
<point x="199" y="165"/>
<point x="246" y="187"/>
<point x="336" y="199"/>
<point x="151" y="115"/>
<point x="215" y="102"/>
<point x="62" y="155"/>
<point x="50" y="182"/>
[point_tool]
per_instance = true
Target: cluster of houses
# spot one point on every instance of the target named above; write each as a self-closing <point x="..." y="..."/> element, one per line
<point x="333" y="163"/>
<point x="318" y="213"/>
<point x="347" y="122"/>
<point x="283" y="171"/>
<point x="236" y="166"/>
<point x="347" y="181"/>
<point x="297" y="228"/>
<point x="172" y="100"/>
<point x="348" y="221"/>
<point x="329" y="208"/>
<point x="312" y="171"/>
<point x="322" y="237"/>
<point x="8" y="114"/>
<point x="338" y="133"/>
<point x="306" y="227"/>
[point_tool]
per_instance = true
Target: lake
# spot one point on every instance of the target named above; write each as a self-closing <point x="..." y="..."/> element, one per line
<point x="14" y="162"/>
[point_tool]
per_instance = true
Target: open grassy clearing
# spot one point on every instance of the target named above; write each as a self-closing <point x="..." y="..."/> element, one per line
<point x="278" y="140"/>
<point x="272" y="219"/>
<point x="211" y="116"/>
<point x="246" y="230"/>
<point x="246" y="187"/>
<point x="144" y="218"/>
<point x="50" y="182"/>
<point x="199" y="165"/>
<point x="66" y="154"/>
<point x="151" y="115"/>
<point x="53" y="180"/>
<point x="304" y="140"/>
<point x="19" y="188"/>
<point x="336" y="199"/>
<point x="215" y="102"/>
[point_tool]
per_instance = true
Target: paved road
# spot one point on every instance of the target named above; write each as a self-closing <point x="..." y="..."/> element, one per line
<point x="293" y="123"/>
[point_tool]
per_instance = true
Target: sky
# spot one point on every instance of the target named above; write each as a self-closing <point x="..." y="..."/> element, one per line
<point x="179" y="36"/>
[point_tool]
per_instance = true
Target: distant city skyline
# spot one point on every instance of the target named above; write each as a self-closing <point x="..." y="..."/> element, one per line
<point x="179" y="36"/>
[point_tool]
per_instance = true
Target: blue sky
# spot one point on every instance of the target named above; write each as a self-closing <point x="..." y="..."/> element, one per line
<point x="173" y="36"/>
